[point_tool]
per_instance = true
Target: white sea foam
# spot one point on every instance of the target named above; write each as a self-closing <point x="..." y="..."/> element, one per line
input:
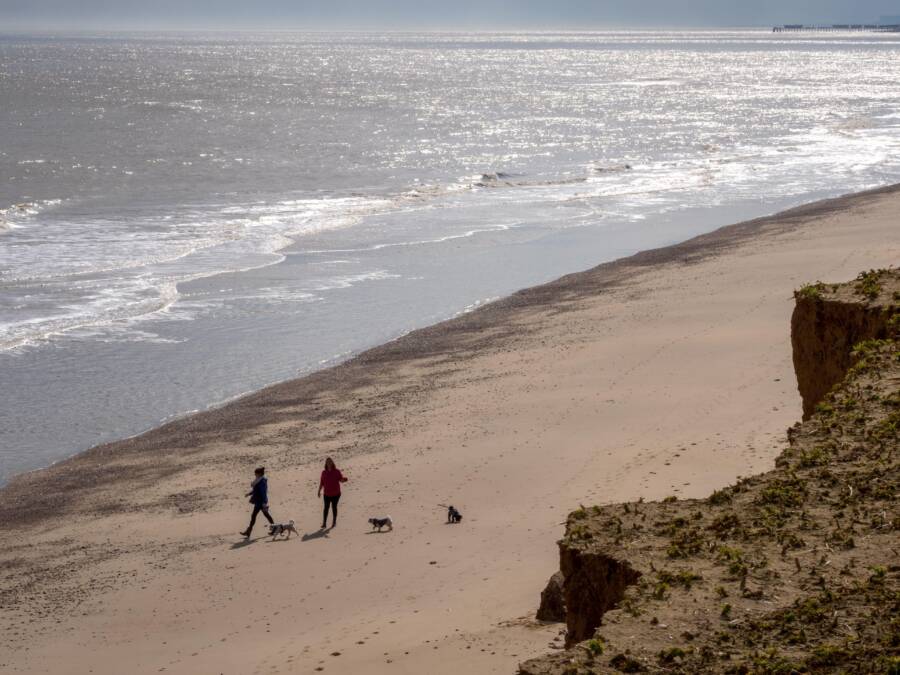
<point x="19" y="214"/>
<point x="138" y="275"/>
<point x="548" y="146"/>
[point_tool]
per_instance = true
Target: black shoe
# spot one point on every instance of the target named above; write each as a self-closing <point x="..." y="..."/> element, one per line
<point x="246" y="533"/>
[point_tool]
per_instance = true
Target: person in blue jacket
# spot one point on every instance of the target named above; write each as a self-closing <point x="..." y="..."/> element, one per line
<point x="259" y="497"/>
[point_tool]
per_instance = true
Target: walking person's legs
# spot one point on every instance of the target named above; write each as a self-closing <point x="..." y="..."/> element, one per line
<point x="265" y="512"/>
<point x="334" y="503"/>
<point x="256" y="510"/>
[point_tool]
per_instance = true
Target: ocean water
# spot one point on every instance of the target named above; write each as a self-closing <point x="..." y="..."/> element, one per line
<point x="188" y="217"/>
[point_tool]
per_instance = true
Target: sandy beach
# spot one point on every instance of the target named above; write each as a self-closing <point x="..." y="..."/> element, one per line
<point x="667" y="373"/>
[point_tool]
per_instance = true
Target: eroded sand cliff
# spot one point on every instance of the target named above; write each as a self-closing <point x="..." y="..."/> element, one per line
<point x="795" y="570"/>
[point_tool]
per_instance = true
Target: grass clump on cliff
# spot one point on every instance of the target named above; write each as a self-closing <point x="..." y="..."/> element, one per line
<point x="726" y="524"/>
<point x="673" y="654"/>
<point x="789" y="491"/>
<point x="734" y="560"/>
<point x="719" y="497"/>
<point x="626" y="664"/>
<point x="666" y="580"/>
<point x="811" y="291"/>
<point x="816" y="456"/>
<point x="595" y="647"/>
<point x="769" y="663"/>
<point x="865" y="354"/>
<point x="683" y="578"/>
<point x="686" y="543"/>
<point x="868" y="284"/>
<point x="579" y="514"/>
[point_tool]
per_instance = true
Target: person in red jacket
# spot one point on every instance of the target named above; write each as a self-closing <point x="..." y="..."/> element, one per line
<point x="330" y="482"/>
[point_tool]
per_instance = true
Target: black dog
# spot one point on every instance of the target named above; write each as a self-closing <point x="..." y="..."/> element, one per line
<point x="387" y="522"/>
<point x="453" y="516"/>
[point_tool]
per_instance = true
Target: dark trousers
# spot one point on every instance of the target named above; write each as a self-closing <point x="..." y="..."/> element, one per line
<point x="332" y="502"/>
<point x="265" y="511"/>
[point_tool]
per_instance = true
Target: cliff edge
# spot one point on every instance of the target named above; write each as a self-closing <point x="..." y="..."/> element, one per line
<point x="828" y="321"/>
<point x="796" y="570"/>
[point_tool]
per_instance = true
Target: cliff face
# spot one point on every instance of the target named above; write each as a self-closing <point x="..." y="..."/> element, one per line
<point x="553" y="601"/>
<point x="795" y="570"/>
<point x="827" y="322"/>
<point x="594" y="584"/>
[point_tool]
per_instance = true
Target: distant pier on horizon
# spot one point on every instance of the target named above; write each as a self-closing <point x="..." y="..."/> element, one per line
<point x="892" y="27"/>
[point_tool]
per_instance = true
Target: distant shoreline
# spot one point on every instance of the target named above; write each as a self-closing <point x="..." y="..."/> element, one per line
<point x="256" y="409"/>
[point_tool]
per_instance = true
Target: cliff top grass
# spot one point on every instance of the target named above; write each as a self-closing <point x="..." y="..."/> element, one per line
<point x="793" y="571"/>
<point x="876" y="287"/>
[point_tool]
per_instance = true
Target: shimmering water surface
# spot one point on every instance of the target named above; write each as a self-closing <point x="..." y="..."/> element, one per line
<point x="184" y="218"/>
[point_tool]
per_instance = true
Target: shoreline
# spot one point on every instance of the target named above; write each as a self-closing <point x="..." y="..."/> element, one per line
<point x="704" y="244"/>
<point x="665" y="373"/>
<point x="148" y="384"/>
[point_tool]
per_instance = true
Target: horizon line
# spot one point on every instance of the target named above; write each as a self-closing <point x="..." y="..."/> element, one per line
<point x="399" y="31"/>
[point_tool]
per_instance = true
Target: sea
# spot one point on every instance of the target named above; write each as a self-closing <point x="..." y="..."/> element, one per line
<point x="188" y="217"/>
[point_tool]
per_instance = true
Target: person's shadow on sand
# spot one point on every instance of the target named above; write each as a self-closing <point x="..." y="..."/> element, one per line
<point x="318" y="534"/>
<point x="244" y="542"/>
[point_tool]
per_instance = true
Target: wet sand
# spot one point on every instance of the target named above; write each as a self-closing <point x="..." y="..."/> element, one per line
<point x="666" y="373"/>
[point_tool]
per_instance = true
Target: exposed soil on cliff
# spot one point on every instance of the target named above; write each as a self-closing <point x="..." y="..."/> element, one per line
<point x="795" y="570"/>
<point x="828" y="321"/>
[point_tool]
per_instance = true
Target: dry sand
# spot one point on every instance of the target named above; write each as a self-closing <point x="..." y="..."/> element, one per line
<point x="668" y="373"/>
